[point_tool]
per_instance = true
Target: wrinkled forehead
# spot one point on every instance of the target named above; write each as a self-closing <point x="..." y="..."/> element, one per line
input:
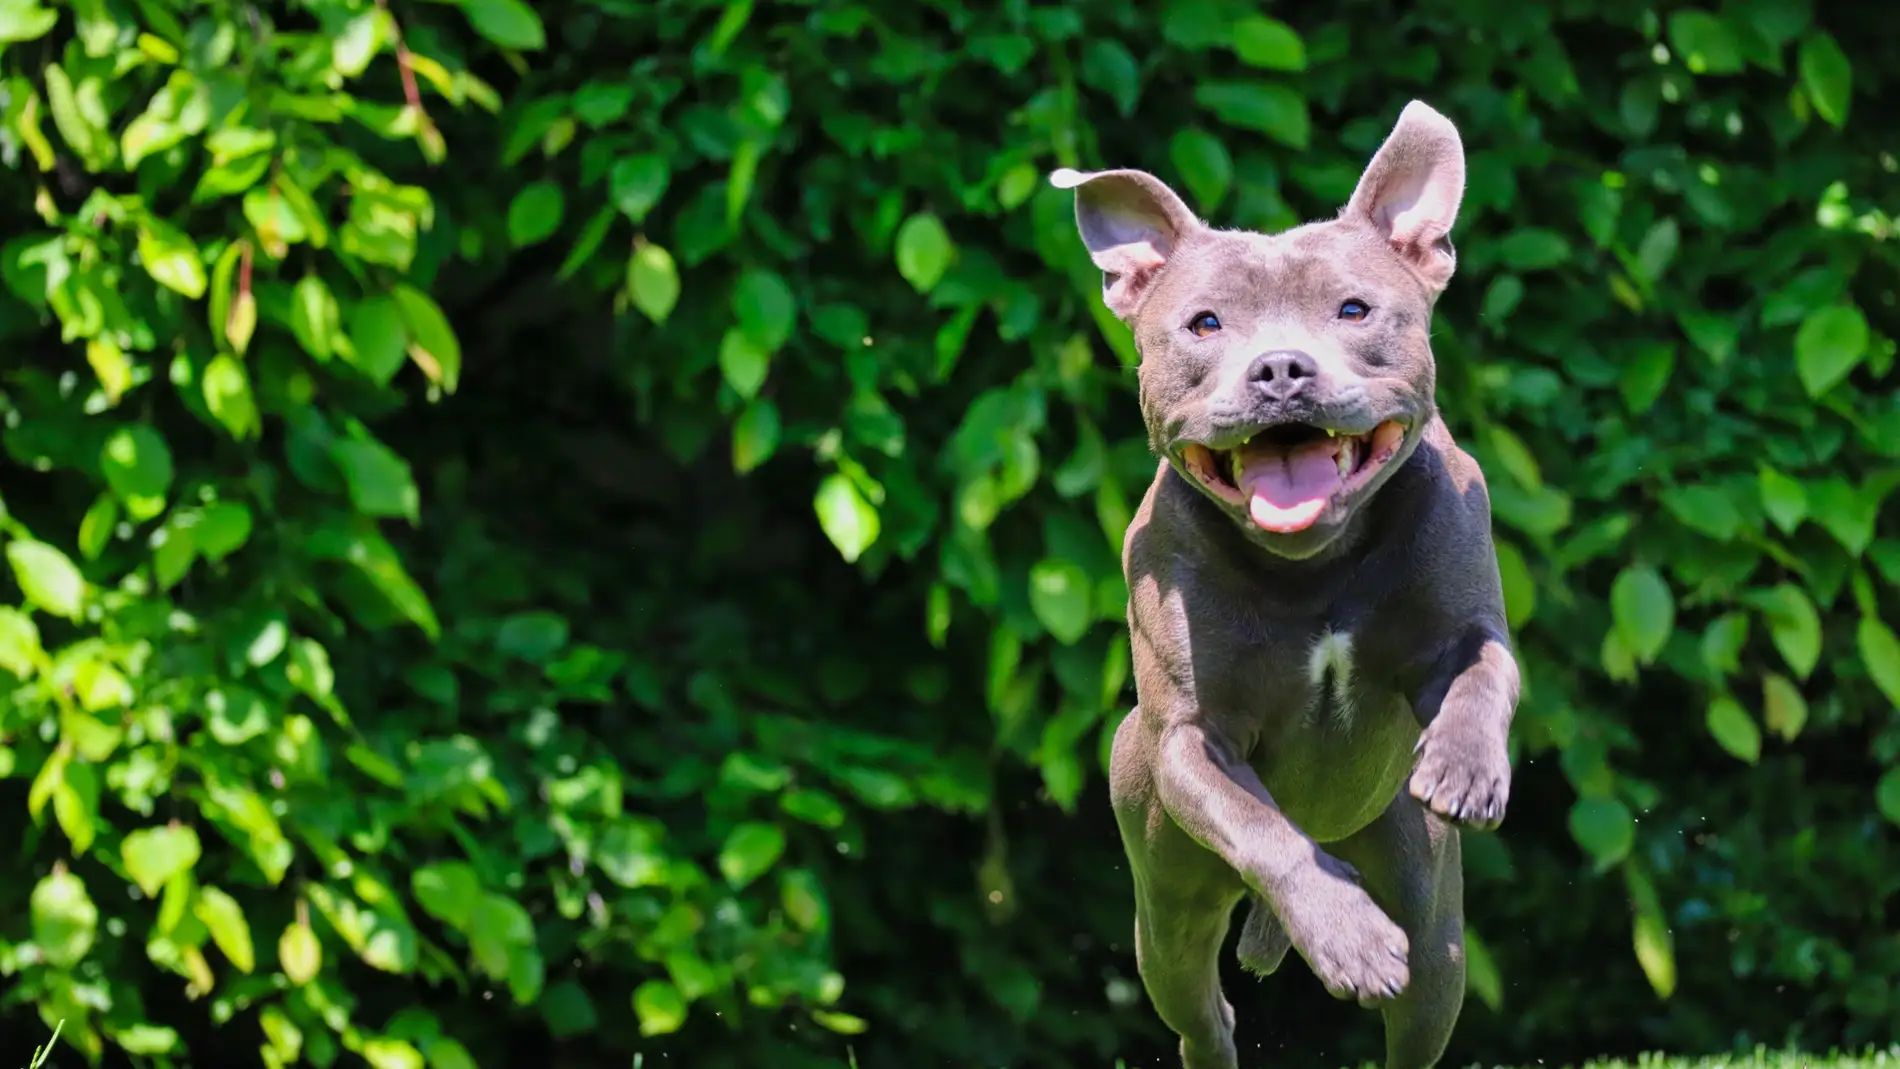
<point x="1318" y="262"/>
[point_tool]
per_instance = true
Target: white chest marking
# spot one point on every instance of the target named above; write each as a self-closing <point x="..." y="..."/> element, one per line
<point x="1329" y="667"/>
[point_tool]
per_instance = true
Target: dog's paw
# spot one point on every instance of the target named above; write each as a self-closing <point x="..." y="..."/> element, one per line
<point x="1463" y="774"/>
<point x="1347" y="940"/>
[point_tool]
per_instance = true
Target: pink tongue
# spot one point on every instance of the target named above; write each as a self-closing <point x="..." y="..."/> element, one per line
<point x="1289" y="491"/>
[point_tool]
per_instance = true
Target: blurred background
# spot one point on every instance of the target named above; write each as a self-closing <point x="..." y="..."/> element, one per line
<point x="586" y="533"/>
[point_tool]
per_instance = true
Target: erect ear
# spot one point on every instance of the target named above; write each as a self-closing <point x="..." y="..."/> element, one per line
<point x="1411" y="190"/>
<point x="1132" y="224"/>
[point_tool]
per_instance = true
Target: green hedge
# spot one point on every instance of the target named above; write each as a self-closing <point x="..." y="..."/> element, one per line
<point x="589" y="531"/>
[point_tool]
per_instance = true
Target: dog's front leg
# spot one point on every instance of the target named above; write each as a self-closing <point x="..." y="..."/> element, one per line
<point x="1218" y="799"/>
<point x="1463" y="771"/>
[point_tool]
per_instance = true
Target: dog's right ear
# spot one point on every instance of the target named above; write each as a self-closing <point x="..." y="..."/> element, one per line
<point x="1132" y="224"/>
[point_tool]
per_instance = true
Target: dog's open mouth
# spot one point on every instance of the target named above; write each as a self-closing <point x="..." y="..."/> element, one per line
<point x="1286" y="476"/>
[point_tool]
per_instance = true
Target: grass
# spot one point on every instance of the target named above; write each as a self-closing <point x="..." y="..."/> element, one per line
<point x="40" y="1054"/>
<point x="1764" y="1060"/>
<point x="1761" y="1059"/>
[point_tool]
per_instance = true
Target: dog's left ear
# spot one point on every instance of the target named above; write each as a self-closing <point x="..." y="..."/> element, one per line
<point x="1132" y="224"/>
<point x="1411" y="191"/>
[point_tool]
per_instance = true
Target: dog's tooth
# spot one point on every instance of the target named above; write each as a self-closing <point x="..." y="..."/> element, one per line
<point x="1345" y="458"/>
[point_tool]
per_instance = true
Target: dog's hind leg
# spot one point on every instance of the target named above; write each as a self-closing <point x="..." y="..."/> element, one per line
<point x="1410" y="860"/>
<point x="1263" y="939"/>
<point x="1178" y="935"/>
<point x="1184" y="900"/>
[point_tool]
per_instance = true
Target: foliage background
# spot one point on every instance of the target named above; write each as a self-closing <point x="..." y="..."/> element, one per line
<point x="589" y="530"/>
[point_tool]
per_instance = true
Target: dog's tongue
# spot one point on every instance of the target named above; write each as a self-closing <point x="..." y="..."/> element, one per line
<point x="1288" y="490"/>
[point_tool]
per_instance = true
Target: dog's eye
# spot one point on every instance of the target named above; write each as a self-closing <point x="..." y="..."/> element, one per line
<point x="1204" y="324"/>
<point x="1354" y="311"/>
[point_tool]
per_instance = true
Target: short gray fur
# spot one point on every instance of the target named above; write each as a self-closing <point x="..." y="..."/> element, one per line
<point x="1318" y="709"/>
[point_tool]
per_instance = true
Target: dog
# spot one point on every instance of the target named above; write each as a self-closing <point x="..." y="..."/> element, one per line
<point x="1324" y="677"/>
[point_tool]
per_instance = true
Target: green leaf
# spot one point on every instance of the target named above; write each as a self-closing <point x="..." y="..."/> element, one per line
<point x="1655" y="946"/>
<point x="743" y="363"/>
<point x="1793" y="625"/>
<point x="137" y="466"/>
<point x="803" y="896"/>
<point x="1826" y="76"/>
<point x="660" y="1008"/>
<point x="1647" y="375"/>
<point x="1887" y="795"/>
<point x="755" y="435"/>
<point x="847" y="518"/>
<point x="924" y="251"/>
<point x="535" y="635"/>
<point x="653" y="281"/>
<point x="171" y="258"/>
<point x="535" y="213"/>
<point x="1017" y="185"/>
<point x="379" y="338"/>
<point x="1520" y="590"/>
<point x="1059" y="595"/>
<point x="1514" y="456"/>
<point x="222" y="529"/>
<point x="227" y="394"/>
<point x="844" y="1024"/>
<point x="511" y="24"/>
<point x="1108" y="66"/>
<point x="65" y="920"/>
<point x="385" y="1052"/>
<point x="25" y="20"/>
<point x="1734" y="729"/>
<point x="765" y="308"/>
<point x="153" y="856"/>
<point x="224" y="919"/>
<point x="360" y="40"/>
<point x="636" y="183"/>
<point x="449" y="890"/>
<point x="97" y="527"/>
<point x="1268" y="43"/>
<point x="378" y="479"/>
<point x="1832" y="342"/>
<point x="1204" y="165"/>
<point x="1275" y="110"/>
<point x="20" y="649"/>
<point x="1481" y="972"/>
<point x="1783" y="707"/>
<point x="1880" y="652"/>
<point x="629" y="855"/>
<point x="1706" y="43"/>
<point x="1604" y="828"/>
<point x="1644" y="611"/>
<point x="299" y="953"/>
<point x="750" y="851"/>
<point x="1783" y="499"/>
<point x="1534" y="249"/>
<point x="432" y="342"/>
<point x="47" y="577"/>
<point x="587" y="244"/>
<point x="314" y="317"/>
<point x="1848" y="513"/>
<point x="1704" y="509"/>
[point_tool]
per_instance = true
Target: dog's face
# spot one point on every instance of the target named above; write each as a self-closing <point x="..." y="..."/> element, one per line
<point x="1285" y="375"/>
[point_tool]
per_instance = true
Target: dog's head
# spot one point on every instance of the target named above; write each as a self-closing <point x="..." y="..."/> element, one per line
<point x="1286" y="375"/>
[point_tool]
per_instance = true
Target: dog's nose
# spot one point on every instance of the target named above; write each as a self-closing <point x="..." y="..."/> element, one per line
<point x="1283" y="373"/>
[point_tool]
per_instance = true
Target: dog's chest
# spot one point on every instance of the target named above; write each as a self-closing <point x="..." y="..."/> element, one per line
<point x="1335" y="732"/>
<point x="1325" y="677"/>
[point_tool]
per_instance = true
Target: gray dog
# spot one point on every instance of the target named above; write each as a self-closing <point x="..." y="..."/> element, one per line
<point x="1314" y="600"/>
